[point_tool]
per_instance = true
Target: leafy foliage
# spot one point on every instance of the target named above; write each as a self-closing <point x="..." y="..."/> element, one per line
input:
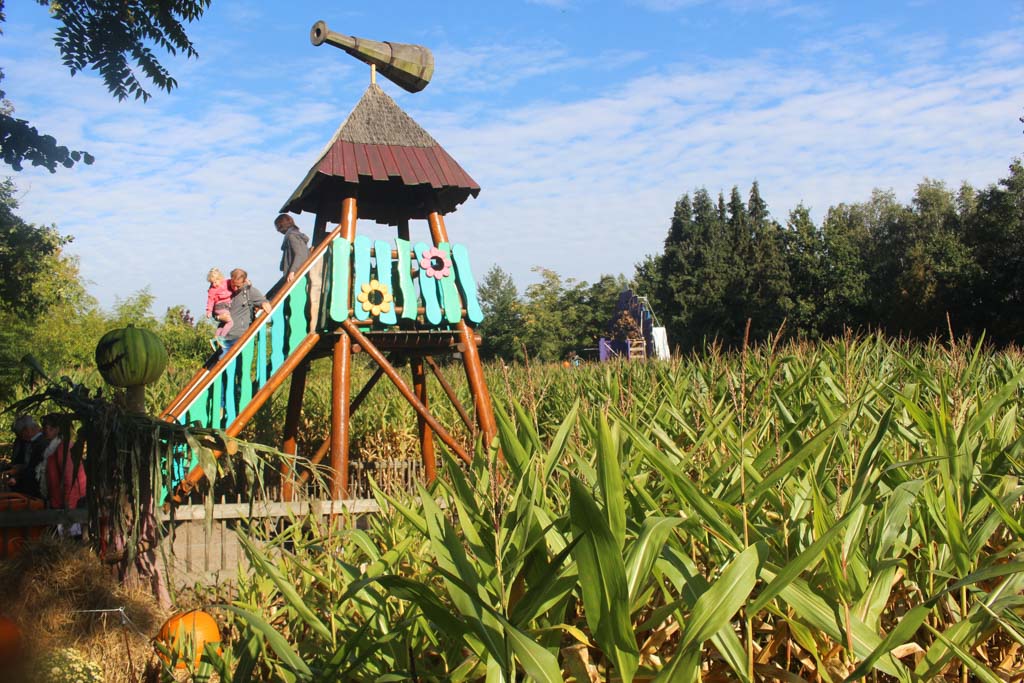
<point x="20" y="141"/>
<point x="557" y="316"/>
<point x="113" y="37"/>
<point x="948" y="259"/>
<point x="109" y="36"/>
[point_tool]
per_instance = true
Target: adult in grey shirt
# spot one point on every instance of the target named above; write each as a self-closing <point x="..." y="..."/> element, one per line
<point x="294" y="247"/>
<point x="245" y="299"/>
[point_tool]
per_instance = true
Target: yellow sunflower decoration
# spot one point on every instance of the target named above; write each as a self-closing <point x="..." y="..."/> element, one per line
<point x="375" y="298"/>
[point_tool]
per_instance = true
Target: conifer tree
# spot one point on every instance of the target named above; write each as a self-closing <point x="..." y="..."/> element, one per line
<point x="804" y="253"/>
<point x="769" y="298"/>
<point x="845" y="271"/>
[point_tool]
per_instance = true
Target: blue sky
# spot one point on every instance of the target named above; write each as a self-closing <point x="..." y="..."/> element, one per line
<point x="582" y="121"/>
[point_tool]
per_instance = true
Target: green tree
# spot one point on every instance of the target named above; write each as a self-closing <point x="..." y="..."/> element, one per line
<point x="672" y="283"/>
<point x="27" y="254"/>
<point x="739" y="259"/>
<point x="589" y="309"/>
<point x="115" y="38"/>
<point x="769" y="299"/>
<point x="804" y="246"/>
<point x="995" y="234"/>
<point x="708" y="273"/>
<point x="502" y="326"/>
<point x="41" y="293"/>
<point x="647" y="280"/>
<point x="546" y="325"/>
<point x="845" y="292"/>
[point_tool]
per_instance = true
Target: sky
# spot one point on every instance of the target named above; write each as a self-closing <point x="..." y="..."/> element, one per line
<point x="582" y="121"/>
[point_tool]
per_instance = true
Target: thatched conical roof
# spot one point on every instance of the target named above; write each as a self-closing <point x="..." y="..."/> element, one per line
<point x="394" y="167"/>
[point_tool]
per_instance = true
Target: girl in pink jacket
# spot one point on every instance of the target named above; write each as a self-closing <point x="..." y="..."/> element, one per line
<point x="218" y="298"/>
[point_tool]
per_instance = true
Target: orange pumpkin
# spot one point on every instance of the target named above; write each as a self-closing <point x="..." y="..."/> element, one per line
<point x="186" y="635"/>
<point x="10" y="645"/>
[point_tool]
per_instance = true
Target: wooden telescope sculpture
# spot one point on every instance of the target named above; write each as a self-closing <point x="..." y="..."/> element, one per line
<point x="400" y="302"/>
<point x="408" y="66"/>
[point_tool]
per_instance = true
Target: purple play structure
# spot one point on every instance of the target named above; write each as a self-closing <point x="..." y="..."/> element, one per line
<point x="655" y="343"/>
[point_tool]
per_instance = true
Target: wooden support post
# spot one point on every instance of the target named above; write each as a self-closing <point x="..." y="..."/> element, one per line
<point x="419" y="385"/>
<point x="470" y="354"/>
<point x="325" y="447"/>
<point x="291" y="427"/>
<point x="341" y="376"/>
<point x="396" y="379"/>
<point x="319" y="227"/>
<point x="349" y="214"/>
<point x="340" y="386"/>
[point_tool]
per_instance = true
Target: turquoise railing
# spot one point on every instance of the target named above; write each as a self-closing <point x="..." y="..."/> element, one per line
<point x="319" y="300"/>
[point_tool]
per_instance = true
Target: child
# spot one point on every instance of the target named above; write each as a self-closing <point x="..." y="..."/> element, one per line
<point x="218" y="298"/>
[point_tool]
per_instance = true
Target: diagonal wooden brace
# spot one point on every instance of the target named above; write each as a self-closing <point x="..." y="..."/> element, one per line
<point x="450" y="393"/>
<point x="358" y="337"/>
<point x="265" y="392"/>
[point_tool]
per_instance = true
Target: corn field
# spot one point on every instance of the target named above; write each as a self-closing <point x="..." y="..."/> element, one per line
<point x="850" y="510"/>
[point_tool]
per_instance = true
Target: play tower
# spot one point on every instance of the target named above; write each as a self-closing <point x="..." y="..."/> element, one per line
<point x="397" y="301"/>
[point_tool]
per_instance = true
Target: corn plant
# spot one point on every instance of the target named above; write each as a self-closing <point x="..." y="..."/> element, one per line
<point x="808" y="512"/>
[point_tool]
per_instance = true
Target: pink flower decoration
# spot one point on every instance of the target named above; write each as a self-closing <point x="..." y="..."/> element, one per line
<point x="427" y="263"/>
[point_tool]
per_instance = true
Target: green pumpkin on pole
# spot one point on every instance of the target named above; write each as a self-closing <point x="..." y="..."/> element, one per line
<point x="131" y="357"/>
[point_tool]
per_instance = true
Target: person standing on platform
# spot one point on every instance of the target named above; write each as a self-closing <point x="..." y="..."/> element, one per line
<point x="294" y="248"/>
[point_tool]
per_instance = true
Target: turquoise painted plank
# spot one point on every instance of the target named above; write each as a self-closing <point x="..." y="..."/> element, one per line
<point x="199" y="411"/>
<point x="277" y="332"/>
<point x="341" y="273"/>
<point x="406" y="288"/>
<point x="298" y="315"/>
<point x="218" y="402"/>
<point x="230" y="391"/>
<point x="362" y="270"/>
<point x="245" y="359"/>
<point x="259" y="352"/>
<point x="428" y="289"/>
<point x="209" y="400"/>
<point x="449" y="292"/>
<point x="382" y="253"/>
<point x="467" y="285"/>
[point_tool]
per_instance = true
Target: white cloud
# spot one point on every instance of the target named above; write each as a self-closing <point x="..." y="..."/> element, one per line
<point x="584" y="184"/>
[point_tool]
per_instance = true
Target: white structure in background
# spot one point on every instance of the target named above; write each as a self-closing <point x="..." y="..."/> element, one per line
<point x="658" y="334"/>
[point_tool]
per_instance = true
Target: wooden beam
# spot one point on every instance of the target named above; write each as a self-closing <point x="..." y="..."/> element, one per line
<point x="341" y="374"/>
<point x="341" y="379"/>
<point x="452" y="396"/>
<point x="325" y="447"/>
<point x="273" y="510"/>
<point x="470" y="353"/>
<point x="291" y="426"/>
<point x="365" y="391"/>
<point x="419" y="385"/>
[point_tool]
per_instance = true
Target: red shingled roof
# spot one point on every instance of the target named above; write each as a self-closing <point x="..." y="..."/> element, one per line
<point x="397" y="170"/>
